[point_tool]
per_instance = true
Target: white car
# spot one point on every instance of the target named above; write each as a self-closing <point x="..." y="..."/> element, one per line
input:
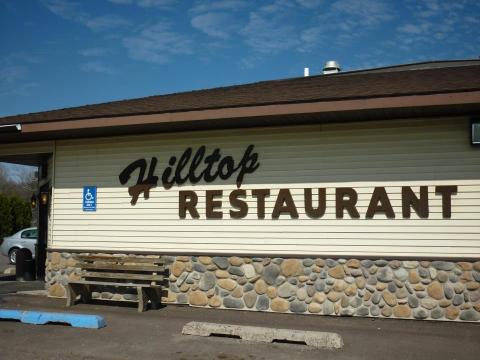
<point x="24" y="239"/>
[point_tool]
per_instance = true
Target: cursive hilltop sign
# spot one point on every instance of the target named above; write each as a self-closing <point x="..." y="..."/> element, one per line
<point x="214" y="165"/>
<point x="195" y="166"/>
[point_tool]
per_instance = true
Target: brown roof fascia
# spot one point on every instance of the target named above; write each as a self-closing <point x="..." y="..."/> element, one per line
<point x="226" y="117"/>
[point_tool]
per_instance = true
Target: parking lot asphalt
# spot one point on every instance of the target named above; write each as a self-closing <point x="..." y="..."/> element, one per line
<point x="4" y="263"/>
<point x="157" y="335"/>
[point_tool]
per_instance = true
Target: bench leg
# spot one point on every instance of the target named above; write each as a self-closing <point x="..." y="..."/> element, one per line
<point x="70" y="296"/>
<point x="73" y="290"/>
<point x="72" y="293"/>
<point x="155" y="296"/>
<point x="85" y="294"/>
<point x="142" y="299"/>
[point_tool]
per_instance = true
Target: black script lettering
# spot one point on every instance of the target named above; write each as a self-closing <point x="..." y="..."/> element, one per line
<point x="446" y="191"/>
<point x="379" y="202"/>
<point x="196" y="161"/>
<point x="342" y="204"/>
<point x="410" y="200"/>
<point x="210" y="160"/>
<point x="143" y="185"/>
<point x="261" y="194"/>
<point x="182" y="162"/>
<point x="187" y="201"/>
<point x="211" y="204"/>
<point x="216" y="167"/>
<point x="226" y="167"/>
<point x="241" y="205"/>
<point x="322" y="203"/>
<point x="284" y="197"/>
<point x="248" y="164"/>
<point x="166" y="182"/>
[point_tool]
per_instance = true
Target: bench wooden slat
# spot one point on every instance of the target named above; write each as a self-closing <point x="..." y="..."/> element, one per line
<point x="121" y="260"/>
<point x="108" y="266"/>
<point x="106" y="275"/>
<point x="107" y="283"/>
<point x="144" y="274"/>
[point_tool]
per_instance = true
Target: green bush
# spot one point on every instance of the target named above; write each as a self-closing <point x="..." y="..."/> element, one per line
<point x="15" y="214"/>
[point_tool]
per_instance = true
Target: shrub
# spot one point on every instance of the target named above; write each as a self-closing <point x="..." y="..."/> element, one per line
<point x="15" y="214"/>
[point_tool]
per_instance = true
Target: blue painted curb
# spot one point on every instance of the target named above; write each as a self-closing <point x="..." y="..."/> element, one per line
<point x="42" y="317"/>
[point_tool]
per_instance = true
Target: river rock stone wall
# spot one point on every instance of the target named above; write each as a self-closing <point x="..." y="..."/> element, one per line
<point x="433" y="290"/>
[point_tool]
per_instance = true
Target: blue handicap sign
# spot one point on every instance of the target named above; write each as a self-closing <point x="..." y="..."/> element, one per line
<point x="89" y="198"/>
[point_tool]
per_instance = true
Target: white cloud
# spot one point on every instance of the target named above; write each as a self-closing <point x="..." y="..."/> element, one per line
<point x="421" y="28"/>
<point x="14" y="73"/>
<point x="93" y="52"/>
<point x="472" y="19"/>
<point x="157" y="44"/>
<point x="436" y="24"/>
<point x="66" y="9"/>
<point x="106" y="22"/>
<point x="278" y="7"/>
<point x="226" y="5"/>
<point x="269" y="29"/>
<point x="121" y="2"/>
<point x="10" y="74"/>
<point x="345" y="21"/>
<point x="432" y="8"/>
<point x="218" y="19"/>
<point x="18" y="90"/>
<point x="146" y="3"/>
<point x="214" y="24"/>
<point x="311" y="4"/>
<point x="11" y="78"/>
<point x="313" y="36"/>
<point x="365" y="12"/>
<point x="269" y="36"/>
<point x="97" y="67"/>
<point x="20" y="56"/>
<point x="72" y="11"/>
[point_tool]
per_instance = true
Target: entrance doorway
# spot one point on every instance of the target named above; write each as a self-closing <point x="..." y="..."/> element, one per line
<point x="42" y="202"/>
<point x="41" y="249"/>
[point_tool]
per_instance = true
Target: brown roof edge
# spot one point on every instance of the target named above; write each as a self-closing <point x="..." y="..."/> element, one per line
<point x="215" y="118"/>
<point x="260" y="111"/>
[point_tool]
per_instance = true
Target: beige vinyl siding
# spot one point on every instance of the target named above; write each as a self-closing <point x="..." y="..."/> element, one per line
<point x="28" y="148"/>
<point x="359" y="155"/>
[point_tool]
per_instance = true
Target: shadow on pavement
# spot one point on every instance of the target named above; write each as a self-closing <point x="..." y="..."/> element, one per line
<point x="11" y="287"/>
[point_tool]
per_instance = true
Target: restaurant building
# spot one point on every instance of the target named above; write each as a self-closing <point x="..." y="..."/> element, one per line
<point x="351" y="194"/>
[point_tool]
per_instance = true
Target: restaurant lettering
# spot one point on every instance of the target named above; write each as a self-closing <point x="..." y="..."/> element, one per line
<point x="314" y="203"/>
<point x="196" y="166"/>
<point x="188" y="168"/>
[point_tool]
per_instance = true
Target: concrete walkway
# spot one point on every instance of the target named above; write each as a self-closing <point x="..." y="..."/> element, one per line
<point x="157" y="335"/>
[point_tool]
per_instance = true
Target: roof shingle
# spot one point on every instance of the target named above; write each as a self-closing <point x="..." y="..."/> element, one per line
<point x="342" y="86"/>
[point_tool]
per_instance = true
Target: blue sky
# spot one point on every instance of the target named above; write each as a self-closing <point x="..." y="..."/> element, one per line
<point x="62" y="53"/>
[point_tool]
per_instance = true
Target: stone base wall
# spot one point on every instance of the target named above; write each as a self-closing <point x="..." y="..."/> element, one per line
<point x="433" y="290"/>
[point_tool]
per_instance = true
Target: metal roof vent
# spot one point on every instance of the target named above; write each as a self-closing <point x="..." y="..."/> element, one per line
<point x="331" y="67"/>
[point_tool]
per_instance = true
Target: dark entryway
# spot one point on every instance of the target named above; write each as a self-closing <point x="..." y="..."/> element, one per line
<point x="43" y="209"/>
<point x="43" y="203"/>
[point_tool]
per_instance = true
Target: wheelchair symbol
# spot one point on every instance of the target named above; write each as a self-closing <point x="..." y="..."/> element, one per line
<point x="88" y="195"/>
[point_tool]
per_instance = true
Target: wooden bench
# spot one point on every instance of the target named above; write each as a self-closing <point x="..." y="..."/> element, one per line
<point x="146" y="274"/>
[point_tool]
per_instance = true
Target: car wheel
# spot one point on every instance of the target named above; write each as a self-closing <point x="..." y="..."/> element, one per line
<point x="12" y="256"/>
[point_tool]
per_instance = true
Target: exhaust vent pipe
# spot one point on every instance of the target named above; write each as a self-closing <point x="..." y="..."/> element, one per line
<point x="331" y="67"/>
